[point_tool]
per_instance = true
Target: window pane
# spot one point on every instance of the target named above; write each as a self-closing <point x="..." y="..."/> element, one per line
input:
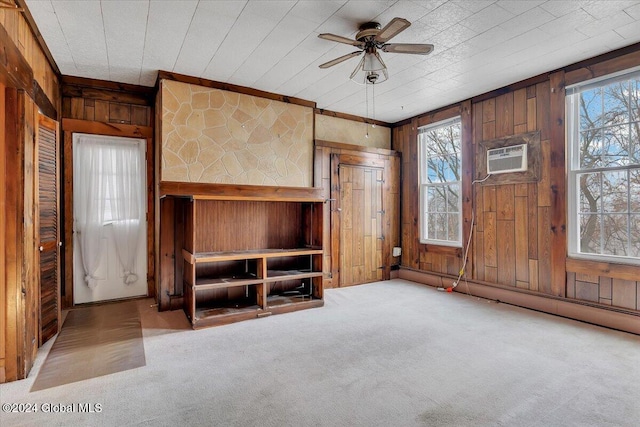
<point x="634" y="144"/>
<point x="616" y="98"/>
<point x="442" y="169"/>
<point x="615" y="150"/>
<point x="634" y="183"/>
<point x="634" y="99"/>
<point x="591" y="149"/>
<point x="591" y="109"/>
<point x="454" y="227"/>
<point x="635" y="235"/>
<point x="589" y="192"/>
<point x="589" y="234"/>
<point x="453" y="192"/>
<point x="614" y="191"/>
<point x="441" y="226"/>
<point x="435" y="199"/>
<point x="616" y="239"/>
<point x="432" y="225"/>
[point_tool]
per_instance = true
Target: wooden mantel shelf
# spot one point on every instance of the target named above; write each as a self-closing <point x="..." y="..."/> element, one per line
<point x="240" y="192"/>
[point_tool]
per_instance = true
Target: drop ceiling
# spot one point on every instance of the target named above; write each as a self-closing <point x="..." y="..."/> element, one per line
<point x="480" y="45"/>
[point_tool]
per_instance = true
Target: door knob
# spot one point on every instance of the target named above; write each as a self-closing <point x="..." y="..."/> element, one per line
<point x="41" y="249"/>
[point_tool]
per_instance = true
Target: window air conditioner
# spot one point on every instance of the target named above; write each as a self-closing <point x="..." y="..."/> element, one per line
<point x="507" y="159"/>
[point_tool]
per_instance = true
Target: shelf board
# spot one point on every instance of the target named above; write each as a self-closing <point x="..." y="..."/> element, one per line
<point x="247" y="254"/>
<point x="225" y="282"/>
<point x="222" y="316"/>
<point x="284" y="304"/>
<point x="204" y="312"/>
<point x="200" y="191"/>
<point x="282" y="275"/>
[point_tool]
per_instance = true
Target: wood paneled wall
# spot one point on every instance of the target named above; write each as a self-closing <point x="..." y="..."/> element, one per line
<point x="519" y="238"/>
<point x="107" y="102"/>
<point x="415" y="255"/>
<point x="513" y="221"/>
<point x="16" y="29"/>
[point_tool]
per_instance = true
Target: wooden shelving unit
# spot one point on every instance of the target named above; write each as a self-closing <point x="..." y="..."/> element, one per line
<point x="248" y="252"/>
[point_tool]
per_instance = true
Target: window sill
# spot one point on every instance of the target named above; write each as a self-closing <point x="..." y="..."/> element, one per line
<point x="603" y="268"/>
<point x="441" y="249"/>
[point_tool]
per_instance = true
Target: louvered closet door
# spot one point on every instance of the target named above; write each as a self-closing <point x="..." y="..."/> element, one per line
<point x="48" y="191"/>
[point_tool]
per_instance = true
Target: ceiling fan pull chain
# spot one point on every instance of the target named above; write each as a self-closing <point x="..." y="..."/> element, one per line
<point x="373" y="103"/>
<point x="366" y="103"/>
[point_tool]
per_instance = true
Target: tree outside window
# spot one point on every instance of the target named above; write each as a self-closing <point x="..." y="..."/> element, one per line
<point x="440" y="185"/>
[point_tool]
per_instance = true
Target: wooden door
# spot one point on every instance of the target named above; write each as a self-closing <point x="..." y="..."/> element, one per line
<point x="361" y="224"/>
<point x="48" y="224"/>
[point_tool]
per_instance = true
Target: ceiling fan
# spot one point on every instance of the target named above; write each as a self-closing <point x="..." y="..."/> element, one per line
<point x="369" y="40"/>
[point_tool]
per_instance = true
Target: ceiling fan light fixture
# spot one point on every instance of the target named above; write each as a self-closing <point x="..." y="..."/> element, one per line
<point x="370" y="77"/>
<point x="372" y="62"/>
<point x="370" y="70"/>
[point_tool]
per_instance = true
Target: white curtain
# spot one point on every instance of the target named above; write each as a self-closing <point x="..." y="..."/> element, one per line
<point x="109" y="187"/>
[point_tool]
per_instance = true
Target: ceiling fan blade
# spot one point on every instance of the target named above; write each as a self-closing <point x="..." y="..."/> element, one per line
<point x="392" y="29"/>
<point x="416" y="49"/>
<point x="340" y="59"/>
<point x="340" y="39"/>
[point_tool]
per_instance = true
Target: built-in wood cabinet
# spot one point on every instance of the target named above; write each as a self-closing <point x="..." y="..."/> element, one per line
<point x="245" y="251"/>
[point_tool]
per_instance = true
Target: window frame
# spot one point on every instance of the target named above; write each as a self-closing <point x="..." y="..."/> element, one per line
<point x="423" y="183"/>
<point x="574" y="169"/>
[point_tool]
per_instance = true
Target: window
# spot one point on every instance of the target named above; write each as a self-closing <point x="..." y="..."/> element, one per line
<point x="604" y="168"/>
<point x="440" y="185"/>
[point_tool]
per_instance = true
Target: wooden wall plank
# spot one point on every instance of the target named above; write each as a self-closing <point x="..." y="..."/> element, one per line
<point x="506" y="253"/>
<point x="544" y="250"/>
<point x="520" y="107"/>
<point x="490" y="251"/>
<point x="521" y="224"/>
<point x="557" y="182"/>
<point x="505" y="201"/>
<point x="504" y="115"/>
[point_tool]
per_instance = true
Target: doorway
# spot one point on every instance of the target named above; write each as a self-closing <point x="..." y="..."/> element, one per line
<point x="109" y="218"/>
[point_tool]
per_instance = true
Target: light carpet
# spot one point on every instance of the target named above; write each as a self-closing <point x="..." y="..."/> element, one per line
<point x="391" y="353"/>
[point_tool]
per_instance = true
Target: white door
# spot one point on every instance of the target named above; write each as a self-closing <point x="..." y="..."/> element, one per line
<point x="109" y="205"/>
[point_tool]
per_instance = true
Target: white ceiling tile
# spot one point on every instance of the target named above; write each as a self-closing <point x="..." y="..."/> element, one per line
<point x="125" y="37"/>
<point x="603" y="9"/>
<point x="474" y="6"/>
<point x="289" y="33"/>
<point x="411" y="11"/>
<point x="446" y="15"/>
<point x="603" y="25"/>
<point x="44" y="13"/>
<point x="519" y="6"/>
<point x="166" y="29"/>
<point x="630" y="32"/>
<point x="84" y="34"/>
<point x="568" y="23"/>
<point x="452" y="36"/>
<point x="248" y="31"/>
<point x="634" y="11"/>
<point x="563" y="7"/>
<point x="212" y="24"/>
<point x="489" y="38"/>
<point x="316" y="11"/>
<point x="526" y="21"/>
<point x="487" y="18"/>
